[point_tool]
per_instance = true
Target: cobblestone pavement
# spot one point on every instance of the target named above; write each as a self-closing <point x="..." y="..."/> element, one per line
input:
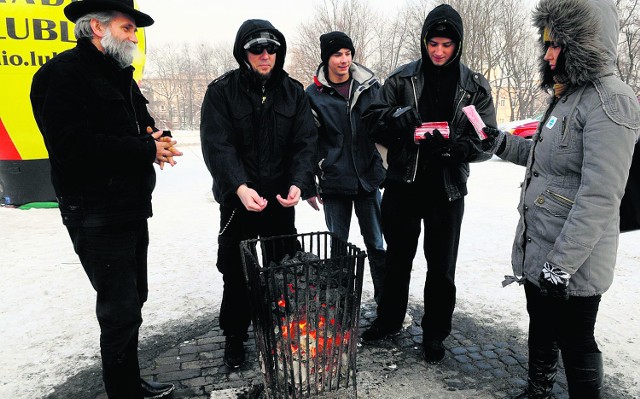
<point x="482" y="361"/>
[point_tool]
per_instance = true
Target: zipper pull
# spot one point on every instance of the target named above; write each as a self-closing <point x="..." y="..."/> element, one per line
<point x="264" y="94"/>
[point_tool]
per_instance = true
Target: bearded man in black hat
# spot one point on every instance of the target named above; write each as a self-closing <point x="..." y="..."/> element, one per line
<point x="259" y="141"/>
<point x="426" y="180"/>
<point x="90" y="110"/>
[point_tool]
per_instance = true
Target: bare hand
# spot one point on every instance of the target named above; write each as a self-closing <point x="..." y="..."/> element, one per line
<point x="251" y="200"/>
<point x="292" y="198"/>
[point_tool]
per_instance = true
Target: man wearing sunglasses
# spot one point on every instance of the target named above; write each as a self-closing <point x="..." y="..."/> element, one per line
<point x="259" y="141"/>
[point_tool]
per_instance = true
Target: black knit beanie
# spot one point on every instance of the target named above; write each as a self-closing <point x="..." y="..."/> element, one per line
<point x="443" y="30"/>
<point x="331" y="42"/>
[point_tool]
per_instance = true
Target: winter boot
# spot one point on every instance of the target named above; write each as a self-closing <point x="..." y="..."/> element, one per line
<point x="584" y="375"/>
<point x="543" y="365"/>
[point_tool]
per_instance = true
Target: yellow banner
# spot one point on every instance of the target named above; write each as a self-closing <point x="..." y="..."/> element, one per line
<point x="31" y="33"/>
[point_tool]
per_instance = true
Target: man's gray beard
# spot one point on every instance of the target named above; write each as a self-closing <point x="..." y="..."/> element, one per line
<point x="122" y="51"/>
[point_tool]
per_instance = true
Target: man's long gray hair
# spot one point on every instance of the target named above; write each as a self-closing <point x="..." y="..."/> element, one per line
<point x="83" y="24"/>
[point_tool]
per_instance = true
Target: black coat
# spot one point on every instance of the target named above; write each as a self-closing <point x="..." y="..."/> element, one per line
<point x="261" y="135"/>
<point x="348" y="160"/>
<point x="407" y="86"/>
<point x="93" y="118"/>
<point x="401" y="89"/>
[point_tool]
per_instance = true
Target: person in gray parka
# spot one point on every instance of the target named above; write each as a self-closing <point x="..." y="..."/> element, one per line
<point x="576" y="168"/>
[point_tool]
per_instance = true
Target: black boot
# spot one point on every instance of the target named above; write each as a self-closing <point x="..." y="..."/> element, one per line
<point x="584" y="375"/>
<point x="543" y="365"/>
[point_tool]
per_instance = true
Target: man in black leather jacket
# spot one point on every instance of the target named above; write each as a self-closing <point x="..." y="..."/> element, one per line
<point x="426" y="181"/>
<point x="259" y="141"/>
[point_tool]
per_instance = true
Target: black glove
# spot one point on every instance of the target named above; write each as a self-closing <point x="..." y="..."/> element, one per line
<point x="445" y="151"/>
<point x="495" y="142"/>
<point x="404" y="119"/>
<point x="554" y="282"/>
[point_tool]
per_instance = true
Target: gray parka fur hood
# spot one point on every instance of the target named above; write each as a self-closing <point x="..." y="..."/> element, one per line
<point x="589" y="45"/>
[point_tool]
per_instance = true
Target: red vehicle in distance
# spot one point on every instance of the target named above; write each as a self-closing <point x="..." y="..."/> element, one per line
<point x="526" y="130"/>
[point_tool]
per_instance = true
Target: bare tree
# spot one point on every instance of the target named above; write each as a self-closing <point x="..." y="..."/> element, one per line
<point x="354" y="17"/>
<point x="629" y="45"/>
<point x="214" y="59"/>
<point x="499" y="42"/>
<point x="415" y="12"/>
<point x="519" y="62"/>
<point x="164" y="70"/>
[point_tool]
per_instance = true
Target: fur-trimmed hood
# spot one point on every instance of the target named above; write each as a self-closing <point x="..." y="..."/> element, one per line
<point x="587" y="30"/>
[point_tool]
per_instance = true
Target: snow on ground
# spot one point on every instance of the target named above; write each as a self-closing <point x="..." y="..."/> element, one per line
<point x="48" y="330"/>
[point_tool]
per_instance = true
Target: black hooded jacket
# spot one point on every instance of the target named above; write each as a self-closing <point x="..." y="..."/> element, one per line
<point x="255" y="132"/>
<point x="407" y="86"/>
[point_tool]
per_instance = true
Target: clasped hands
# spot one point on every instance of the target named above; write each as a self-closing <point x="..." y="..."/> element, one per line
<point x="165" y="148"/>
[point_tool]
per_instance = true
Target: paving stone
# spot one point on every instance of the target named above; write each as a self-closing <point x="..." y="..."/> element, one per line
<point x="462" y="358"/>
<point x="194" y="382"/>
<point x="499" y="373"/>
<point x="522" y="359"/>
<point x="168" y="360"/>
<point x="508" y="360"/>
<point x="459" y="350"/>
<point x="178" y="375"/>
<point x="468" y="368"/>
<point x="482" y="365"/>
<point x="472" y="349"/>
<point x="197" y="364"/>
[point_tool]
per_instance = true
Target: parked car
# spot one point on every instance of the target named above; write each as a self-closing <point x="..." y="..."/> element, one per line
<point x="524" y="128"/>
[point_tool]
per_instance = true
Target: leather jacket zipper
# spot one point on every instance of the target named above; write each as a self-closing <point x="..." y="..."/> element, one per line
<point x="415" y="166"/>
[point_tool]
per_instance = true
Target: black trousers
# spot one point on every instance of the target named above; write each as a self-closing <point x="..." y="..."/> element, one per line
<point x="115" y="260"/>
<point x="404" y="208"/>
<point x="238" y="224"/>
<point x="558" y="324"/>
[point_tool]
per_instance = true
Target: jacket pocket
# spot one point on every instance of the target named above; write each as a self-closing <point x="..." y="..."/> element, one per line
<point x="556" y="204"/>
<point x="241" y="120"/>
<point x="285" y="112"/>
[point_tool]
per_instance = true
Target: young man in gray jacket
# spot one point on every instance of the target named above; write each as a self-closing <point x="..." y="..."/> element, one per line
<point x="349" y="167"/>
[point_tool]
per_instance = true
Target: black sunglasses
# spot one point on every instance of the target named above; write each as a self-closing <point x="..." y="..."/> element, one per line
<point x="259" y="48"/>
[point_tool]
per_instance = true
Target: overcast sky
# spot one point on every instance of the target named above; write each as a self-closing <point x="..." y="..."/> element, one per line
<point x="218" y="21"/>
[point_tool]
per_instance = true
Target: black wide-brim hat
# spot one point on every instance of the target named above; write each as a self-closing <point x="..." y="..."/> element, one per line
<point x="78" y="9"/>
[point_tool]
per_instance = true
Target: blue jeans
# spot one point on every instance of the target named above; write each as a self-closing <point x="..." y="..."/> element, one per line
<point x="337" y="214"/>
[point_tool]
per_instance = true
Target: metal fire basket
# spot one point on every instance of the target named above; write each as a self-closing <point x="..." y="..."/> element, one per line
<point x="305" y="293"/>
